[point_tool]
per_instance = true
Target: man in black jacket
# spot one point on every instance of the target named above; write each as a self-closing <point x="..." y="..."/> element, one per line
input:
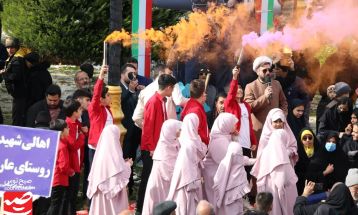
<point x="51" y="104"/>
<point x="15" y="81"/>
<point x="39" y="78"/>
<point x="129" y="98"/>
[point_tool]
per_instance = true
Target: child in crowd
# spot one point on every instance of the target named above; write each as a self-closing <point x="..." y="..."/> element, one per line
<point x="220" y="138"/>
<point x="76" y="140"/>
<point x="276" y="119"/>
<point x="186" y="185"/>
<point x="63" y="171"/>
<point x="99" y="112"/>
<point x="109" y="175"/>
<point x="274" y="167"/>
<point x="263" y="204"/>
<point x="83" y="96"/>
<point x="230" y="182"/>
<point x="164" y="158"/>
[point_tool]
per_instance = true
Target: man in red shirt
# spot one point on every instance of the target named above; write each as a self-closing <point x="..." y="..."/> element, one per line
<point x="154" y="116"/>
<point x="195" y="105"/>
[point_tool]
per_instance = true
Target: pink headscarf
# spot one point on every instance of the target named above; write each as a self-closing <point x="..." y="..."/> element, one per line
<point x="273" y="155"/>
<point x="220" y="135"/>
<point x="291" y="144"/>
<point x="108" y="164"/>
<point x="231" y="174"/>
<point x="168" y="148"/>
<point x="191" y="153"/>
<point x="168" y="145"/>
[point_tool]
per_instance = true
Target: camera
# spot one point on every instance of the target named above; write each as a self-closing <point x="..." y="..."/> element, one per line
<point x="132" y="76"/>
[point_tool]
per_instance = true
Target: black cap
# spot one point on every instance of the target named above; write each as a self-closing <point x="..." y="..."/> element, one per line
<point x="165" y="208"/>
<point x="87" y="68"/>
<point x="32" y="57"/>
<point x="12" y="43"/>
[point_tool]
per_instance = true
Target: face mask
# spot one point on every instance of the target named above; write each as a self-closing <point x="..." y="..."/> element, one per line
<point x="330" y="146"/>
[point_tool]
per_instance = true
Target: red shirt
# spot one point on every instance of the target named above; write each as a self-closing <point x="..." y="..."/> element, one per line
<point x="193" y="106"/>
<point x="97" y="114"/>
<point x="152" y="122"/>
<point x="76" y="141"/>
<point x="62" y="169"/>
<point x="231" y="106"/>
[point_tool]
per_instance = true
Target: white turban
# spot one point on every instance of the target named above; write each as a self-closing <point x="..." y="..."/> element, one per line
<point x="261" y="60"/>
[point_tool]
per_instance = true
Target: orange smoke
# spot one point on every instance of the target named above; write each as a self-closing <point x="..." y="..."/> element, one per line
<point x="325" y="38"/>
<point x="199" y="34"/>
<point x="122" y="36"/>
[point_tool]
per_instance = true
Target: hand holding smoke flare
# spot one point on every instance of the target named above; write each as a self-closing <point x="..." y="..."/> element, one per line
<point x="239" y="59"/>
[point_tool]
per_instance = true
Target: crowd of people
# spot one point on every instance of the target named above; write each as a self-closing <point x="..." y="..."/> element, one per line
<point x="246" y="150"/>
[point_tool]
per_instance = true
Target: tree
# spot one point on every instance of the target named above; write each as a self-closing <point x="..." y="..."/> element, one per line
<point x="71" y="31"/>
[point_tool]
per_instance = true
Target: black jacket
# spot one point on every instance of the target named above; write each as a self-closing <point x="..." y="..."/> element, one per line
<point x="318" y="165"/>
<point x="303" y="162"/>
<point x="303" y="208"/>
<point x="38" y="81"/>
<point x="128" y="102"/>
<point x="15" y="77"/>
<point x="350" y="148"/>
<point x="333" y="121"/>
<point x="41" y="106"/>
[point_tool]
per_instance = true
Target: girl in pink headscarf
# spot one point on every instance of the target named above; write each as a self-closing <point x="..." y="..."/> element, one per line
<point x="185" y="187"/>
<point x="230" y="182"/>
<point x="276" y="119"/>
<point x="273" y="169"/>
<point x="164" y="158"/>
<point x="109" y="175"/>
<point x="220" y="137"/>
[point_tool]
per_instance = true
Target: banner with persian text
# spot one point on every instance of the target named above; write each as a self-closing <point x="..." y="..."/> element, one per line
<point x="27" y="159"/>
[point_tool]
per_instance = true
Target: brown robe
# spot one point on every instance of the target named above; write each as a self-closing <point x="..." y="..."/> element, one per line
<point x="260" y="105"/>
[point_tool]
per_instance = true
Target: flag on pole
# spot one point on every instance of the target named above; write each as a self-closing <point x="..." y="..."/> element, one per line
<point x="142" y="20"/>
<point x="266" y="15"/>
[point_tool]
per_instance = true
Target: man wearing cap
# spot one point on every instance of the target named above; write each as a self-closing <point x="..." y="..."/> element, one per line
<point x="341" y="89"/>
<point x="15" y="80"/>
<point x="263" y="94"/>
<point x="352" y="183"/>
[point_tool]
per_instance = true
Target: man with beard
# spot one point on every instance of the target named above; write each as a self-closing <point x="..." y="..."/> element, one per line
<point x="52" y="104"/>
<point x="129" y="97"/>
<point x="82" y="80"/>
<point x="263" y="94"/>
<point x="336" y="119"/>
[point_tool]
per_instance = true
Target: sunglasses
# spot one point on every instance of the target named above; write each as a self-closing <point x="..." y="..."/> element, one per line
<point x="307" y="138"/>
<point x="266" y="70"/>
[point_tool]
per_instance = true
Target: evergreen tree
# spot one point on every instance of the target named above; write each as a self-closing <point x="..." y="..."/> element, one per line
<point x="69" y="30"/>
